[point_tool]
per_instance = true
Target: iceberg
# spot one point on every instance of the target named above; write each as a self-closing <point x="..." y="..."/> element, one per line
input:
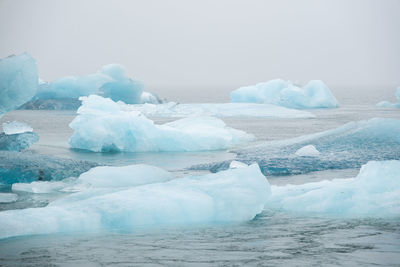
<point x="387" y="104"/>
<point x="176" y="110"/>
<point x="26" y="167"/>
<point x="111" y="81"/>
<point x="348" y="146"/>
<point x="103" y="125"/>
<point x="375" y="192"/>
<point x="230" y="196"/>
<point x="308" y="151"/>
<point x="16" y="127"/>
<point x="17" y="141"/>
<point x="315" y="94"/>
<point x="18" y="81"/>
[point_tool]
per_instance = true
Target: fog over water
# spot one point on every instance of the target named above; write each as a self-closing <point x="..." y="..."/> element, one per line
<point x="197" y="51"/>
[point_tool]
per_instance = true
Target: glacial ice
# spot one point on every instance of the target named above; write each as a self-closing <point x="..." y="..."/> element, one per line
<point x="8" y="197"/>
<point x="375" y="192"/>
<point x="308" y="151"/>
<point x="284" y="93"/>
<point x="26" y="167"/>
<point x="39" y="187"/>
<point x="18" y="81"/>
<point x="230" y="196"/>
<point x="111" y="81"/>
<point x="348" y="146"/>
<point x="105" y="176"/>
<point x="18" y="141"/>
<point x="16" y="127"/>
<point x="173" y="109"/>
<point x="103" y="126"/>
<point x="387" y="104"/>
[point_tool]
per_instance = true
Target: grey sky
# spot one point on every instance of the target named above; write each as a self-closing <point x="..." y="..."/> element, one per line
<point x="188" y="50"/>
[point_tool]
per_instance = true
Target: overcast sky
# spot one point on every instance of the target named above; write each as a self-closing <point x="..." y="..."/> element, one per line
<point x="188" y="50"/>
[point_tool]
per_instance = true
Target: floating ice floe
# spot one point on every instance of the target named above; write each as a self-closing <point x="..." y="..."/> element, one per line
<point x="387" y="104"/>
<point x="18" y="141"/>
<point x="111" y="81"/>
<point x="8" y="197"/>
<point x="18" y="81"/>
<point x="375" y="192"/>
<point x="308" y="151"/>
<point x="16" y="127"/>
<point x="26" y="167"/>
<point x="348" y="146"/>
<point x="173" y="109"/>
<point x="230" y="196"/>
<point x="103" y="125"/>
<point x="315" y="94"/>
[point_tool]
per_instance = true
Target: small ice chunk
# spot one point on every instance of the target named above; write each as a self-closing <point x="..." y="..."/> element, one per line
<point x="308" y="151"/>
<point x="40" y="187"/>
<point x="17" y="142"/>
<point x="8" y="197"/>
<point x="237" y="164"/>
<point x="387" y="104"/>
<point x="16" y="127"/>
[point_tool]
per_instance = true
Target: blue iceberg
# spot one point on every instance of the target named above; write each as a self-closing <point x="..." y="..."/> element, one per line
<point x="387" y="104"/>
<point x="18" y="81"/>
<point x="375" y="192"/>
<point x="104" y="126"/>
<point x="284" y="93"/>
<point x="111" y="81"/>
<point x="18" y="141"/>
<point x="230" y="196"/>
<point x="26" y="167"/>
<point x="348" y="146"/>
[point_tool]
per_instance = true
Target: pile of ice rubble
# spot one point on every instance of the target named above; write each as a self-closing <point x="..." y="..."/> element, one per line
<point x="103" y="125"/>
<point x="387" y="104"/>
<point x="315" y="94"/>
<point x="131" y="197"/>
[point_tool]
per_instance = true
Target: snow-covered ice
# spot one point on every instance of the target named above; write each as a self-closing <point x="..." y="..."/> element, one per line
<point x="111" y="81"/>
<point x="103" y="125"/>
<point x="18" y="81"/>
<point x="308" y="151"/>
<point x="229" y="196"/>
<point x="375" y="192"/>
<point x="173" y="109"/>
<point x="16" y="127"/>
<point x="315" y="94"/>
<point x="387" y="104"/>
<point x="8" y="197"/>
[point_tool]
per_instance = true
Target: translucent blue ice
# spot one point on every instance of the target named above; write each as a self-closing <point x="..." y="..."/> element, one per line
<point x="25" y="167"/>
<point x="103" y="126"/>
<point x="375" y="192"/>
<point x="230" y="196"/>
<point x="111" y="81"/>
<point x="348" y="146"/>
<point x="387" y="104"/>
<point x="284" y="93"/>
<point x="17" y="142"/>
<point x="18" y="81"/>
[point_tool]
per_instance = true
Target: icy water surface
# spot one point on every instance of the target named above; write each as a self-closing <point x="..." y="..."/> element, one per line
<point x="272" y="239"/>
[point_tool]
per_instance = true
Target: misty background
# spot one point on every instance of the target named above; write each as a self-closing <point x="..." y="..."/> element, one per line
<point x="197" y="51"/>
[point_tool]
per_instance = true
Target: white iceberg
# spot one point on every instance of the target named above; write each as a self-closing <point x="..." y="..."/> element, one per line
<point x="111" y="81"/>
<point x="16" y="127"/>
<point x="308" y="151"/>
<point x="387" y="104"/>
<point x="103" y="125"/>
<point x="230" y="196"/>
<point x="173" y="109"/>
<point x="315" y="94"/>
<point x="18" y="81"/>
<point x="375" y="192"/>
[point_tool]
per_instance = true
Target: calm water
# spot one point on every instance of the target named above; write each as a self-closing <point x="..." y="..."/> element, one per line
<point x="271" y="239"/>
